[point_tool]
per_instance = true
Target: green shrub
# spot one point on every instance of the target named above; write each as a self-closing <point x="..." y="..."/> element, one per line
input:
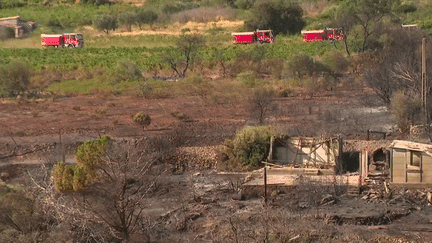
<point x="335" y="61"/>
<point x="126" y="70"/>
<point x="145" y="17"/>
<point x="142" y="119"/>
<point x="407" y="8"/>
<point x="127" y="19"/>
<point x="58" y="172"/>
<point x="95" y="2"/>
<point x="281" y="16"/>
<point x="6" y="33"/>
<point x="89" y="155"/>
<point x="4" y="4"/>
<point x="301" y="64"/>
<point x="244" y="4"/>
<point x="67" y="178"/>
<point x="79" y="178"/>
<point x="105" y="22"/>
<point x="249" y="147"/>
<point x="76" y="177"/>
<point x="14" y="78"/>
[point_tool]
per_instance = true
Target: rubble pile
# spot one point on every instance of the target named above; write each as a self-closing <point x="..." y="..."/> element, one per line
<point x="186" y="158"/>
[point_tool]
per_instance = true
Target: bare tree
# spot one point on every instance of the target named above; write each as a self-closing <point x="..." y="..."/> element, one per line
<point x="398" y="67"/>
<point x="261" y="103"/>
<point x="126" y="178"/>
<point x="181" y="59"/>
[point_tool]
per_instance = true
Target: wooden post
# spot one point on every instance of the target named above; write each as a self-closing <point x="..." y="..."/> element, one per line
<point x="424" y="84"/>
<point x="340" y="152"/>
<point x="270" y="156"/>
<point x="265" y="184"/>
<point x="62" y="147"/>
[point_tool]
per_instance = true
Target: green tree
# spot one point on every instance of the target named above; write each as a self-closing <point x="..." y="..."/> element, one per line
<point x="182" y="58"/>
<point x="365" y="13"/>
<point x="281" y="16"/>
<point x="126" y="70"/>
<point x="58" y="172"/>
<point x="14" y="78"/>
<point x="249" y="147"/>
<point x="142" y="119"/>
<point x="145" y="17"/>
<point x="106" y="23"/>
<point x="89" y="159"/>
<point x="127" y="19"/>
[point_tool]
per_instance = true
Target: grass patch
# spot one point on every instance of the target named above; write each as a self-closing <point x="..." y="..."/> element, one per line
<point x="91" y="86"/>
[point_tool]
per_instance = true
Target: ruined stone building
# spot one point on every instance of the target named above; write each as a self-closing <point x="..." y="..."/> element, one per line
<point x="19" y="26"/>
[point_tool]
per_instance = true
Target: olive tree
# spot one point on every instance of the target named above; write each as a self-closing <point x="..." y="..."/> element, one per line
<point x="14" y="78"/>
<point x="363" y="13"/>
<point x="127" y="19"/>
<point x="106" y="23"/>
<point x="281" y="16"/>
<point x="183" y="56"/>
<point x="145" y="17"/>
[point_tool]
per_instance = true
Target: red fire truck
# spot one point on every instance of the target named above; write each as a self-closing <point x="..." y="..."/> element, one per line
<point x="258" y="36"/>
<point x="323" y="35"/>
<point x="69" y="40"/>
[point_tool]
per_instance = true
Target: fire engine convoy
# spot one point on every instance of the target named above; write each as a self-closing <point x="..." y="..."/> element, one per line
<point x="67" y="40"/>
<point x="323" y="35"/>
<point x="266" y="36"/>
<point x="258" y="36"/>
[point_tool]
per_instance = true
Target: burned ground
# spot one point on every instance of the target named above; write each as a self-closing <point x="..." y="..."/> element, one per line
<point x="195" y="203"/>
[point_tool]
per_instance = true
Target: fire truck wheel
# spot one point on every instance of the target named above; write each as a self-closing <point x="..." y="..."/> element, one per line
<point x="71" y="46"/>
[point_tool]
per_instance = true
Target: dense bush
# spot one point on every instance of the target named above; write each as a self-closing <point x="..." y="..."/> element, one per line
<point x="106" y="23"/>
<point x="127" y="19"/>
<point x="248" y="148"/>
<point x="89" y="154"/>
<point x="281" y="16"/>
<point x="58" y="172"/>
<point x="301" y="65"/>
<point x="76" y="177"/>
<point x="171" y="8"/>
<point x="95" y="2"/>
<point x="4" y="4"/>
<point x="126" y="70"/>
<point x="142" y="119"/>
<point x="407" y="8"/>
<point x="145" y="17"/>
<point x="14" y="79"/>
<point x="6" y="33"/>
<point x="203" y="14"/>
<point x="17" y="214"/>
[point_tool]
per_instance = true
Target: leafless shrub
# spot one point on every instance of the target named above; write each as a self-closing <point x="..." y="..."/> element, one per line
<point x="261" y="104"/>
<point x="203" y="14"/>
<point x="115" y="202"/>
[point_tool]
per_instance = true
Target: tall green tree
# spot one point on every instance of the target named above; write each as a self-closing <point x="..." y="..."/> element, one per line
<point x="14" y="78"/>
<point x="127" y="19"/>
<point x="145" y="17"/>
<point x="182" y="58"/>
<point x="106" y="23"/>
<point x="365" y="13"/>
<point x="281" y="16"/>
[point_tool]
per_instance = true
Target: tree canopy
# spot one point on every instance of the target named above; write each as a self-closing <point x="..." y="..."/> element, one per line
<point x="281" y="16"/>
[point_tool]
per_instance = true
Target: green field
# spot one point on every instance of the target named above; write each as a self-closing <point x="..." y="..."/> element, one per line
<point x="115" y="49"/>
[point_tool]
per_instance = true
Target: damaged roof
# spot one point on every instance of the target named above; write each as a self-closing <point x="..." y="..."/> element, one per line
<point x="422" y="147"/>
